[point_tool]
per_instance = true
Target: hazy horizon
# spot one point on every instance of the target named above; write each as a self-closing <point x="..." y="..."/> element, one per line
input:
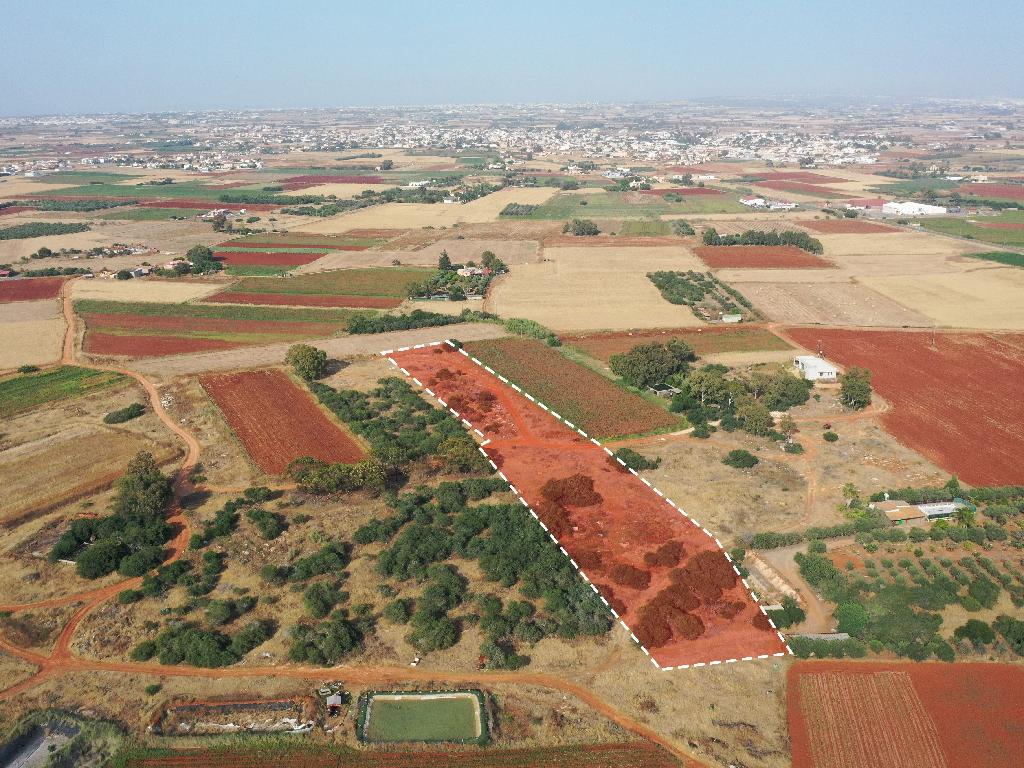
<point x="70" y="58"/>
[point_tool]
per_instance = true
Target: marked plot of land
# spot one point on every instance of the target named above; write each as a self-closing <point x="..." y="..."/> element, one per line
<point x="664" y="576"/>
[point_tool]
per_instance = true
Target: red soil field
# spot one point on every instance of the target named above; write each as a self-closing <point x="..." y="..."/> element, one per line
<point x="30" y="288"/>
<point x="76" y="197"/>
<point x="304" y="300"/>
<point x="15" y="209"/>
<point x="1001" y="225"/>
<point x="705" y="341"/>
<point x="684" y="191"/>
<point x="301" y="182"/>
<point x="276" y="421"/>
<point x="759" y="257"/>
<point x="810" y="178"/>
<point x="804" y="189"/>
<point x="203" y="205"/>
<point x="634" y="754"/>
<point x="1007" y="191"/>
<point x="957" y="402"/>
<point x="191" y="324"/>
<point x="276" y="258"/>
<point x="867" y="202"/>
<point x="665" y="577"/>
<point x="296" y="244"/>
<point x="847" y="227"/>
<point x="99" y="343"/>
<point x="971" y="713"/>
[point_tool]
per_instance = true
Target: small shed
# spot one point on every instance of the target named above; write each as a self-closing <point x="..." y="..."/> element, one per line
<point x="816" y="368"/>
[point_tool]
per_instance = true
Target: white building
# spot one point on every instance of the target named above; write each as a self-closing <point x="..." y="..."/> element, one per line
<point x="896" y="208"/>
<point x="815" y="368"/>
<point x="754" y="202"/>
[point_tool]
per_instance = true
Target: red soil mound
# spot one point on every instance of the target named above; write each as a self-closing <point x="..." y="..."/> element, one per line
<point x="575" y="491"/>
<point x="958" y="402"/>
<point x="626" y="575"/>
<point x="759" y="257"/>
<point x="847" y="227"/>
<point x="667" y="555"/>
<point x="30" y="288"/>
<point x="276" y="421"/>
<point x="303" y="300"/>
<point x="99" y="343"/>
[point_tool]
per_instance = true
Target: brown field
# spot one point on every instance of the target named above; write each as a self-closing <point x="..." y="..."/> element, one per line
<point x="30" y="289"/>
<point x="278" y="422"/>
<point x="593" y="289"/>
<point x="801" y="188"/>
<point x="303" y="300"/>
<point x="898" y="253"/>
<point x="1005" y="191"/>
<point x="831" y="303"/>
<point x="847" y="227"/>
<point x="147" y="289"/>
<point x="31" y="333"/>
<point x="759" y="257"/>
<point x="99" y="343"/>
<point x="950" y="715"/>
<point x="705" y="341"/>
<point x="955" y="396"/>
<point x="512" y="252"/>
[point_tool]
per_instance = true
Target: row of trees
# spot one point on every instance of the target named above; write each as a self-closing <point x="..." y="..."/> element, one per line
<point x="755" y="237"/>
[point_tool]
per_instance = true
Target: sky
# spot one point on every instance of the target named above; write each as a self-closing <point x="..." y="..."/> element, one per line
<point x="93" y="56"/>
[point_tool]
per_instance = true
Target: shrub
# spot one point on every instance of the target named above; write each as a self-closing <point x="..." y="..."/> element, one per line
<point x="976" y="632"/>
<point x="128" y="413"/>
<point x="740" y="459"/>
<point x="307" y="361"/>
<point x="636" y="461"/>
<point x="830" y="437"/>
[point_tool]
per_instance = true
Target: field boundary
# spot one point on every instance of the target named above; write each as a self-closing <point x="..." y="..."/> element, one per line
<point x="710" y="663"/>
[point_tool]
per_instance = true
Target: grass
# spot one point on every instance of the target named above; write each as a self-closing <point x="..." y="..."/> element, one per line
<point x="86" y="177"/>
<point x="973" y="230"/>
<point x="421" y="719"/>
<point x="257" y="270"/>
<point x="22" y="393"/>
<point x="214" y="311"/>
<point x="150" y="214"/>
<point x="390" y="282"/>
<point x="1002" y="257"/>
<point x="644" y="228"/>
<point x="616" y="205"/>
<point x="178" y="190"/>
<point x="910" y="187"/>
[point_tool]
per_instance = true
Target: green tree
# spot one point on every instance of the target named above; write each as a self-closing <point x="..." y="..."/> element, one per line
<point x="201" y="258"/>
<point x="740" y="459"/>
<point x="755" y="418"/>
<point x="307" y="361"/>
<point x="581" y="228"/>
<point x="648" y="364"/>
<point x="855" y="388"/>
<point x="443" y="262"/>
<point x="852" y="618"/>
<point x="976" y="632"/>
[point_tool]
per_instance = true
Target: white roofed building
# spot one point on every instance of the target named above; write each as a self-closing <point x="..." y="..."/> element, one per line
<point x="815" y="368"/>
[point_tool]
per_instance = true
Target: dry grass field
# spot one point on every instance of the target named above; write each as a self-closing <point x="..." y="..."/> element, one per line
<point x="833" y="303"/>
<point x="147" y="289"/>
<point x="31" y="333"/>
<point x="512" y="252"/>
<point x="593" y="289"/>
<point x="412" y="215"/>
<point x="986" y="298"/>
<point x="900" y="253"/>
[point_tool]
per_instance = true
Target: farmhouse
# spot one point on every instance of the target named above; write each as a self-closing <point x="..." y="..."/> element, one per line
<point x="754" y="202"/>
<point x="900" y="512"/>
<point x="897" y="208"/>
<point x="815" y="368"/>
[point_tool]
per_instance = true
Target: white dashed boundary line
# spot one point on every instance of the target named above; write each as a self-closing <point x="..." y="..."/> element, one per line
<point x="696" y="665"/>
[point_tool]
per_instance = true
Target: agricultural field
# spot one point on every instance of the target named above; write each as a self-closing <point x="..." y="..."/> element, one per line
<point x="950" y="715"/>
<point x="802" y="188"/>
<point x="31" y="333"/>
<point x="22" y="392"/>
<point x="30" y="289"/>
<point x="705" y="341"/>
<point x="1005" y="229"/>
<point x="848" y="227"/>
<point x="954" y="396"/>
<point x="644" y="228"/>
<point x="147" y="290"/>
<point x="145" y="329"/>
<point x="430" y="717"/>
<point x="627" y="755"/>
<point x="582" y="396"/>
<point x="378" y="288"/>
<point x="759" y="257"/>
<point x="628" y="205"/>
<point x="827" y="303"/>
<point x="277" y="421"/>
<point x="129" y="213"/>
<point x="701" y="613"/>
<point x="992" y="191"/>
<point x="583" y="288"/>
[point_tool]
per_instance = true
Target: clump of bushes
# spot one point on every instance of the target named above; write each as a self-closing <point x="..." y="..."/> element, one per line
<point x="740" y="459"/>
<point x="121" y="415"/>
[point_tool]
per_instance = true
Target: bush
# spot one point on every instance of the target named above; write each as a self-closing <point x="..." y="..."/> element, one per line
<point x="830" y="437"/>
<point x="581" y="228"/>
<point x="789" y="615"/>
<point x="307" y="361"/>
<point x="855" y="389"/>
<point x="648" y="364"/>
<point x="975" y="632"/>
<point x="740" y="459"/>
<point x="636" y="461"/>
<point x="132" y="411"/>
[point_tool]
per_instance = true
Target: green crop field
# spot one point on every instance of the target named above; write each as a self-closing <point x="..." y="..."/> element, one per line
<point x="23" y="392"/>
<point x="178" y="190"/>
<point x="910" y="187"/>
<point x="150" y="214"/>
<point x="418" y="718"/>
<point x="619" y="205"/>
<point x="1001" y="257"/>
<point x="975" y="231"/>
<point x="86" y="177"/>
<point x="644" y="228"/>
<point x="391" y="282"/>
<point x="213" y="311"/>
<point x="256" y="270"/>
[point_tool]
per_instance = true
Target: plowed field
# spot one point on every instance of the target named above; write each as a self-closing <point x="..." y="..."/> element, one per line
<point x="811" y="190"/>
<point x="304" y="300"/>
<point x="706" y="341"/>
<point x="759" y="257"/>
<point x="664" y="575"/>
<point x="276" y="421"/>
<point x="30" y="289"/>
<point x="266" y="258"/>
<point x="628" y="755"/>
<point x="99" y="343"/>
<point x="847" y="227"/>
<point x="868" y="715"/>
<point x="1005" y="191"/>
<point x="956" y="401"/>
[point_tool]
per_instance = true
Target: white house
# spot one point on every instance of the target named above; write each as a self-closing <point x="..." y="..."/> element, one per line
<point x="815" y="368"/>
<point x="897" y="208"/>
<point x="754" y="202"/>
